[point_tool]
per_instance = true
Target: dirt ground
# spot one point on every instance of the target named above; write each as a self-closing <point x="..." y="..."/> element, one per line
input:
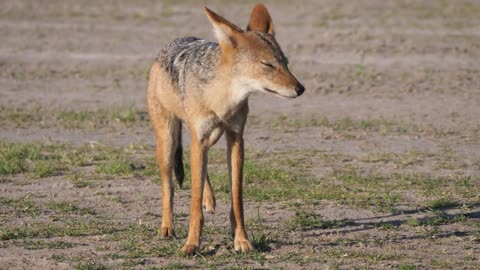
<point x="376" y="166"/>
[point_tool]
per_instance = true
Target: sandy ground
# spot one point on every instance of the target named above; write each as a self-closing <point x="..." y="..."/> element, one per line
<point x="409" y="66"/>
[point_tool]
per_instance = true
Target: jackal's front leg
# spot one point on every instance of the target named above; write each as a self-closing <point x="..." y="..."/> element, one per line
<point x="198" y="173"/>
<point x="235" y="158"/>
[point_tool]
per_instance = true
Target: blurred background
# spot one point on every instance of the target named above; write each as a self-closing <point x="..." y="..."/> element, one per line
<point x="387" y="134"/>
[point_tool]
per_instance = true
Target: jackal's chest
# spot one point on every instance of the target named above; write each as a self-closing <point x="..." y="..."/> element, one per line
<point x="210" y="127"/>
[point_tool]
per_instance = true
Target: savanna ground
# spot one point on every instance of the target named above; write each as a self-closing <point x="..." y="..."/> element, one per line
<point x="376" y="166"/>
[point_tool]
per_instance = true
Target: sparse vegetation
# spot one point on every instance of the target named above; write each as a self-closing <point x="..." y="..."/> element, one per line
<point x="24" y="205"/>
<point x="436" y="218"/>
<point x="71" y="119"/>
<point x="79" y="228"/>
<point x="50" y="160"/>
<point x="341" y="125"/>
<point x="89" y="265"/>
<point x="267" y="178"/>
<point x="42" y="244"/>
<point x="68" y="207"/>
<point x="441" y="203"/>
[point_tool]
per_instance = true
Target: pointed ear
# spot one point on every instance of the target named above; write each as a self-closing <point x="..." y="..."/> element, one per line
<point x="260" y="20"/>
<point x="225" y="31"/>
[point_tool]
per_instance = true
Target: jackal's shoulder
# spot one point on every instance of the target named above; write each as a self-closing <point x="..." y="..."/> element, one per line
<point x="187" y="57"/>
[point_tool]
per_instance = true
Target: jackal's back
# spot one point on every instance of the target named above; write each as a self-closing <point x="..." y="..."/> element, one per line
<point x="189" y="59"/>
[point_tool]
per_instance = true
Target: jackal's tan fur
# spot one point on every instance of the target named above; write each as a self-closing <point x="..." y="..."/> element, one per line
<point x="206" y="85"/>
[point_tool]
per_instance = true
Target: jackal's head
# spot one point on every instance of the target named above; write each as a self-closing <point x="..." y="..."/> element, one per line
<point x="253" y="57"/>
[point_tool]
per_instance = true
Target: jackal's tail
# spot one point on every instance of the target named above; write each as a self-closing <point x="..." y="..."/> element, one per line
<point x="178" y="167"/>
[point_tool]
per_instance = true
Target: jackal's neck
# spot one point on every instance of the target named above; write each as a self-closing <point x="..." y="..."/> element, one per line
<point x="226" y="93"/>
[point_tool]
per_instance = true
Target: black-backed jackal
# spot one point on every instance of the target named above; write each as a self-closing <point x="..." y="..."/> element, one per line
<point x="206" y="85"/>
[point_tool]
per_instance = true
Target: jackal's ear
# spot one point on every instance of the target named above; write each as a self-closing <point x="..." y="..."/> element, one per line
<point x="225" y="31"/>
<point x="260" y="20"/>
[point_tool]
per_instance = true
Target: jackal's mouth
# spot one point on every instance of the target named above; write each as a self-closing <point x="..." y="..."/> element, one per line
<point x="276" y="93"/>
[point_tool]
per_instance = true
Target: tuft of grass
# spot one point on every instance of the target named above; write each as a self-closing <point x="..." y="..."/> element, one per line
<point x="41" y="244"/>
<point x="19" y="158"/>
<point x="365" y="191"/>
<point x="73" y="116"/>
<point x="19" y="117"/>
<point x="387" y="201"/>
<point x="309" y="221"/>
<point x="441" y="203"/>
<point x="140" y="241"/>
<point x="68" y="207"/>
<point x="89" y="265"/>
<point x="404" y="160"/>
<point x="263" y="181"/>
<point x="344" y="124"/>
<point x="127" y="116"/>
<point x="14" y="158"/>
<point x="58" y="257"/>
<point x="121" y="166"/>
<point x="49" y="160"/>
<point x="79" y="183"/>
<point x="39" y="230"/>
<point x="407" y="267"/>
<point x="44" y="168"/>
<point x="438" y="218"/>
<point x="367" y="256"/>
<point x="413" y="222"/>
<point x="172" y="266"/>
<point x="71" y="119"/>
<point x="348" y="186"/>
<point x="117" y="166"/>
<point x="261" y="242"/>
<point x="22" y="205"/>
<point x="105" y="117"/>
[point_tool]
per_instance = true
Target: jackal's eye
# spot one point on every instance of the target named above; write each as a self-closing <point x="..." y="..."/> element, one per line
<point x="267" y="64"/>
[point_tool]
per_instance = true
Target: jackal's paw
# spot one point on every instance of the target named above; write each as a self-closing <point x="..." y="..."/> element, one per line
<point x="243" y="246"/>
<point x="167" y="232"/>
<point x="189" y="250"/>
<point x="209" y="204"/>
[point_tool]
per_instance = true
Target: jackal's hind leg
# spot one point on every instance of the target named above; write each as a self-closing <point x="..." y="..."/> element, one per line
<point x="167" y="129"/>
<point x="208" y="197"/>
<point x="209" y="202"/>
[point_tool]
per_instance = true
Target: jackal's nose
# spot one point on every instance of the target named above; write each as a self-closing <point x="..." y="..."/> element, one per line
<point x="299" y="89"/>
